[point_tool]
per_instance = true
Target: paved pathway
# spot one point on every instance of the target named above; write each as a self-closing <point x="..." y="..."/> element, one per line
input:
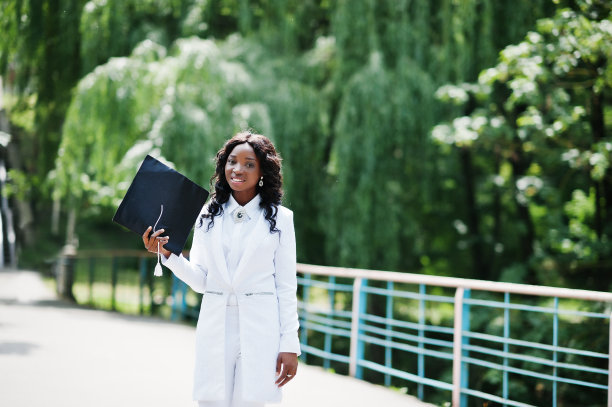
<point x="54" y="354"/>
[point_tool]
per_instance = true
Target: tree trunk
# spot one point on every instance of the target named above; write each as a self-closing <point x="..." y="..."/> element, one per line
<point x="602" y="187"/>
<point x="71" y="238"/>
<point x="519" y="168"/>
<point x="481" y="269"/>
<point x="496" y="233"/>
<point x="55" y="216"/>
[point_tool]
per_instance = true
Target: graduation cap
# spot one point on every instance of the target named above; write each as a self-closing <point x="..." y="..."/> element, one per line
<point x="163" y="198"/>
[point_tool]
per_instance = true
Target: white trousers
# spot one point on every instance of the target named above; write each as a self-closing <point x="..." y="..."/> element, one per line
<point x="233" y="366"/>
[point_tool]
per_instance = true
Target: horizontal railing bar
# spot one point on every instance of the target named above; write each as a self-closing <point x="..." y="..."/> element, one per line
<point x="408" y="337"/>
<point x="329" y="321"/>
<point x="408" y="294"/>
<point x="404" y="375"/>
<point x="317" y="315"/>
<point x="439" y="329"/>
<point x="534" y="308"/>
<point x="497" y="399"/>
<point x="530" y="373"/>
<point x="81" y="254"/>
<point x="326" y="329"/>
<point x="455" y="282"/>
<point x="533" y="359"/>
<point x="399" y="277"/>
<point x="406" y="347"/>
<point x="534" y="345"/>
<point x="323" y="354"/>
<point x="317" y="309"/>
<point x="403" y="324"/>
<point x="325" y="284"/>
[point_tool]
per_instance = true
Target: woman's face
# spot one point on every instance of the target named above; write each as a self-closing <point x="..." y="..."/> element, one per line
<point x="242" y="172"/>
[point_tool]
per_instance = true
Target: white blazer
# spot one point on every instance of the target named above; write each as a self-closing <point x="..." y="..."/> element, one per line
<point x="265" y="285"/>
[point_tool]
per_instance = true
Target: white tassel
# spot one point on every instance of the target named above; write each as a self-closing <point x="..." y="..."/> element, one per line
<point x="158" y="271"/>
<point x="158" y="268"/>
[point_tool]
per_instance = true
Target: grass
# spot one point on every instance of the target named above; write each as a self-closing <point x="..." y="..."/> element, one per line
<point x="93" y="286"/>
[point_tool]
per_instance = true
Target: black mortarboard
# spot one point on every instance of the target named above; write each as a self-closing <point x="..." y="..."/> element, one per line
<point x="155" y="186"/>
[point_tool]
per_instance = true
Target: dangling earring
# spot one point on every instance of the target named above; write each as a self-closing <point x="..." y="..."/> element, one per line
<point x="261" y="181"/>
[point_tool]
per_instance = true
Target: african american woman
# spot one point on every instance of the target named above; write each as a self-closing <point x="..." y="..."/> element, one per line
<point x="243" y="259"/>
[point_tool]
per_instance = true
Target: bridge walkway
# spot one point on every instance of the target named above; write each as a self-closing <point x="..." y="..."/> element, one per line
<point x="53" y="353"/>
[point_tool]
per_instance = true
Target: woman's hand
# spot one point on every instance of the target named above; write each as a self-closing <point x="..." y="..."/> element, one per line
<point x="286" y="368"/>
<point x="150" y="242"/>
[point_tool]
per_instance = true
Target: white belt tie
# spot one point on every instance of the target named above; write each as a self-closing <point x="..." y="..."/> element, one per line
<point x="232" y="301"/>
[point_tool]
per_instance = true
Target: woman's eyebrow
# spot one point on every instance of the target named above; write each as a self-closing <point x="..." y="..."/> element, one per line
<point x="246" y="158"/>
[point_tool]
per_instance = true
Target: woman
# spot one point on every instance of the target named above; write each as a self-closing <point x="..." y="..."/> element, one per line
<point x="243" y="260"/>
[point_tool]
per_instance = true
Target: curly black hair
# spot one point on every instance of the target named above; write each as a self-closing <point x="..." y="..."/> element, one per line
<point x="271" y="192"/>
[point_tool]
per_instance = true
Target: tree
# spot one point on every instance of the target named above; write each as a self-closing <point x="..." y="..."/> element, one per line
<point x="178" y="106"/>
<point x="39" y="51"/>
<point x="536" y="120"/>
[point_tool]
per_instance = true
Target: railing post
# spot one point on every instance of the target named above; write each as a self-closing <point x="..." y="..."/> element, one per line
<point x="465" y="341"/>
<point x="610" y="360"/>
<point x="327" y="346"/>
<point x="151" y="284"/>
<point x="304" y="331"/>
<point x="421" y="357"/>
<point x="555" y="344"/>
<point x="141" y="282"/>
<point x="389" y="328"/>
<point x="173" y="294"/>
<point x="506" y="347"/>
<point x="183" y="298"/>
<point x="178" y="308"/>
<point x="92" y="268"/>
<point x="460" y="369"/>
<point x="363" y="301"/>
<point x="357" y="346"/>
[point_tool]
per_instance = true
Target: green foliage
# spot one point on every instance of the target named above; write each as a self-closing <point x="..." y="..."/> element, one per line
<point x="302" y="144"/>
<point x="513" y="184"/>
<point x="370" y="173"/>
<point x="537" y="128"/>
<point x="114" y="27"/>
<point x="39" y="54"/>
<point x="169" y="106"/>
<point x="91" y="148"/>
<point x="540" y="110"/>
<point x="295" y="59"/>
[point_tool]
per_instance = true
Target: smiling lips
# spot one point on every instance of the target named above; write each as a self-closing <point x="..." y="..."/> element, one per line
<point x="237" y="180"/>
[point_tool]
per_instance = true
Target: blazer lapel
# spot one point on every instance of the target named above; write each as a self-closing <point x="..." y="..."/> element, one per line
<point x="253" y="242"/>
<point x="217" y="243"/>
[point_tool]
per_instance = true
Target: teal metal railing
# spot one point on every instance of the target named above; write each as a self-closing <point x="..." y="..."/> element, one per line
<point x="467" y="341"/>
<point x="503" y="342"/>
<point x="122" y="280"/>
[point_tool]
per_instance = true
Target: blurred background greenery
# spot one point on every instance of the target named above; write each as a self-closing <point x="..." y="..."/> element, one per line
<point x="452" y="137"/>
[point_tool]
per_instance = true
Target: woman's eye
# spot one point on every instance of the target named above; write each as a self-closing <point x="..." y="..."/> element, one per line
<point x="250" y="165"/>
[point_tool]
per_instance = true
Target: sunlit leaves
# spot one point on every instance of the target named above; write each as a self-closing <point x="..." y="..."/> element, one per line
<point x="580" y="240"/>
<point x="114" y="27"/>
<point x="91" y="144"/>
<point x="596" y="159"/>
<point x="180" y="106"/>
<point x="545" y="96"/>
